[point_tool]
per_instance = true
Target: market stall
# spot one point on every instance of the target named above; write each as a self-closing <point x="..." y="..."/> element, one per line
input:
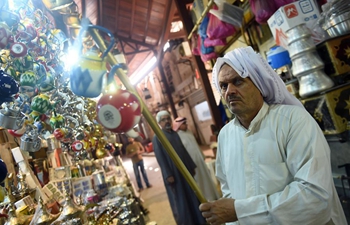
<point x="56" y="118"/>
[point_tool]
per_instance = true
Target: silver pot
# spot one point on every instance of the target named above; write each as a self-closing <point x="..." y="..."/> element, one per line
<point x="30" y="145"/>
<point x="305" y="63"/>
<point x="301" y="46"/>
<point x="313" y="83"/>
<point x="10" y="119"/>
<point x="298" y="32"/>
<point x="339" y="28"/>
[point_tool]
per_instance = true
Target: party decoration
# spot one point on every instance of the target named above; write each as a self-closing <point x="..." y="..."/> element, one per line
<point x="118" y="112"/>
<point x="28" y="79"/>
<point x="56" y="121"/>
<point x="8" y="86"/>
<point x="41" y="103"/>
<point x="45" y="104"/>
<point x="77" y="146"/>
<point x="5" y="34"/>
<point x="18" y="50"/>
<point x="88" y="76"/>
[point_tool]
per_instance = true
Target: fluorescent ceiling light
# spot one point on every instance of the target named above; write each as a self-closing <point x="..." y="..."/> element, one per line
<point x="166" y="46"/>
<point x="176" y="26"/>
<point x="135" y="78"/>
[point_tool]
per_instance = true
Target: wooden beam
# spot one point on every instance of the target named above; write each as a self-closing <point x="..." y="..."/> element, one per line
<point x="166" y="85"/>
<point x="100" y="14"/>
<point x="137" y="51"/>
<point x="149" y="10"/>
<point x="125" y="39"/>
<point x="83" y="9"/>
<point x="132" y="16"/>
<point x="131" y="45"/>
<point x="171" y="9"/>
<point x="116" y="15"/>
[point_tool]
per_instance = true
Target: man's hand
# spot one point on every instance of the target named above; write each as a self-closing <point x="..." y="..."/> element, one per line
<point x="170" y="179"/>
<point x="219" y="212"/>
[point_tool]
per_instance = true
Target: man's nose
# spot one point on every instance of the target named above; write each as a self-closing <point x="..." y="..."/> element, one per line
<point x="231" y="89"/>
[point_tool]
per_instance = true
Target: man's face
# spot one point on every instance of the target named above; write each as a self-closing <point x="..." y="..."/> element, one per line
<point x="131" y="140"/>
<point x="165" y="122"/>
<point x="242" y="97"/>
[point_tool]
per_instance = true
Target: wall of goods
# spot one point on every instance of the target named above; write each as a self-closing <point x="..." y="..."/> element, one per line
<point x="56" y="141"/>
<point x="310" y="50"/>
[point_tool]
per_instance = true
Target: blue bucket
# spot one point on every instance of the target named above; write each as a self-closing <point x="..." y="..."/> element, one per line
<point x="278" y="57"/>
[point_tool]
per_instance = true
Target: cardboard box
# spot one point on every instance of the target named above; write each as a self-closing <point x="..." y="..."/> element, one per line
<point x="291" y="15"/>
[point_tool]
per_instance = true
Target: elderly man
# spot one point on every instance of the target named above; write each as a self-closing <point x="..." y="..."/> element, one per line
<point x="182" y="199"/>
<point x="202" y="177"/>
<point x="273" y="161"/>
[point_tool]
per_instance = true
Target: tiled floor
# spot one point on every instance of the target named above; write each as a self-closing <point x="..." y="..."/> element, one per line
<point x="155" y="199"/>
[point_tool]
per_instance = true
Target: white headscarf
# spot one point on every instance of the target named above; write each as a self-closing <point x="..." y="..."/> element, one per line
<point x="247" y="63"/>
<point x="160" y="114"/>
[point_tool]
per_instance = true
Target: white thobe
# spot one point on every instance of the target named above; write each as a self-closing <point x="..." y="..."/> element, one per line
<point x="278" y="169"/>
<point x="202" y="177"/>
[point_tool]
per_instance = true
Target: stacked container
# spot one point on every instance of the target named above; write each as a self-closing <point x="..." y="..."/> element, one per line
<point x="307" y="65"/>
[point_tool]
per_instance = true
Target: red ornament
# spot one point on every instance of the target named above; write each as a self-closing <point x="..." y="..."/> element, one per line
<point x="118" y="112"/>
<point x="59" y="133"/>
<point x="14" y="133"/>
<point x="77" y="146"/>
<point x="18" y="49"/>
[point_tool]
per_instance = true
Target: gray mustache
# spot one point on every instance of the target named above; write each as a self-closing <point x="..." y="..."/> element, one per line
<point x="233" y="98"/>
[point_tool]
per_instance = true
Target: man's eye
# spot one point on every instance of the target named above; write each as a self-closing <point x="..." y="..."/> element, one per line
<point x="223" y="87"/>
<point x="238" y="82"/>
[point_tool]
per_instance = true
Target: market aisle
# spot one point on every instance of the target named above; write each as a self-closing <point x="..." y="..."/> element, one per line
<point x="155" y="198"/>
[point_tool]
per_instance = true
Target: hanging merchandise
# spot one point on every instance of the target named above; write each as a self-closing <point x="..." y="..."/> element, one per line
<point x="119" y="112"/>
<point x="218" y="30"/>
<point x="228" y="13"/>
<point x="64" y="168"/>
<point x="87" y="76"/>
<point x="206" y="53"/>
<point x="280" y="3"/>
<point x="263" y="9"/>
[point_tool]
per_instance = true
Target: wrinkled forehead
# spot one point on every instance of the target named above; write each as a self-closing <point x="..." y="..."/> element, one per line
<point x="220" y="62"/>
<point x="227" y="73"/>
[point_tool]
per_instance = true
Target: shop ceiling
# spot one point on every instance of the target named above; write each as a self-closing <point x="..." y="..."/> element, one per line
<point x="141" y="26"/>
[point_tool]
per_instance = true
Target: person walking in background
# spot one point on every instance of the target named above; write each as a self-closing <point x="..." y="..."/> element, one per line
<point x="202" y="177"/>
<point x="273" y="161"/>
<point x="182" y="199"/>
<point x="134" y="151"/>
<point x="3" y="171"/>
